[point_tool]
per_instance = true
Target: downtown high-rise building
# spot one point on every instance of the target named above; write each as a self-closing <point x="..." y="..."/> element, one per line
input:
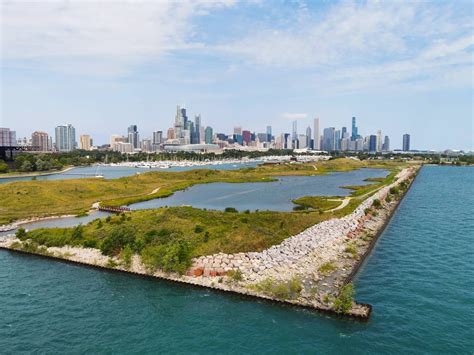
<point x="386" y="144"/>
<point x="372" y="143"/>
<point x="208" y="135"/>
<point x="329" y="139"/>
<point x="7" y="137"/>
<point x="85" y="142"/>
<point x="40" y="141"/>
<point x="317" y="135"/>
<point x="269" y="133"/>
<point x="65" y="138"/>
<point x="157" y="137"/>
<point x="308" y="137"/>
<point x="406" y="142"/>
<point x="379" y="141"/>
<point x="133" y="136"/>
<point x="355" y="132"/>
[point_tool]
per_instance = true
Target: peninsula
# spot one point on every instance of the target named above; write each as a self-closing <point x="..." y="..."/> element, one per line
<point x="306" y="257"/>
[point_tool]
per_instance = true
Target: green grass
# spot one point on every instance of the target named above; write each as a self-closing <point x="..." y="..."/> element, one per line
<point x="327" y="268"/>
<point x="322" y="203"/>
<point x="283" y="290"/>
<point x="24" y="199"/>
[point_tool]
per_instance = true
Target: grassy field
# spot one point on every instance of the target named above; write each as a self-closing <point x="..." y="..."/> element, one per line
<point x="167" y="238"/>
<point x="56" y="197"/>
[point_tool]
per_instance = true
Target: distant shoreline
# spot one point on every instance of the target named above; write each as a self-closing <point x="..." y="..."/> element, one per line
<point x="55" y="172"/>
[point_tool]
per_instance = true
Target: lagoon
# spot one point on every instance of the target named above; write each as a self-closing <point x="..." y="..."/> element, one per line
<point x="273" y="196"/>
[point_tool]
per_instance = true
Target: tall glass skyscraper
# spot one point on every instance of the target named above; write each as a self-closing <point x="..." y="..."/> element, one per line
<point x="354" y="129"/>
<point x="133" y="137"/>
<point x="406" y="142"/>
<point x="65" y="138"/>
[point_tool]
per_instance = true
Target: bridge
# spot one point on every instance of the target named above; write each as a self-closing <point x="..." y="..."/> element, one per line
<point x="114" y="209"/>
<point x="6" y="152"/>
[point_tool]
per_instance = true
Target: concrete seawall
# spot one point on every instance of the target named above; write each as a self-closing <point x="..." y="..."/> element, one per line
<point x="302" y="262"/>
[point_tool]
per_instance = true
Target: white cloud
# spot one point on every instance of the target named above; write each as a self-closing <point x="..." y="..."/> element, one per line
<point x="369" y="44"/>
<point x="294" y="115"/>
<point x="71" y="34"/>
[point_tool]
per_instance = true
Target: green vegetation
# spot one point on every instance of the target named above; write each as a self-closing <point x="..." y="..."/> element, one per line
<point x="25" y="199"/>
<point x="376" y="203"/>
<point x="327" y="268"/>
<point x="351" y="249"/>
<point x="322" y="203"/>
<point x="343" y="302"/>
<point x="168" y="238"/>
<point x="282" y="290"/>
<point x="235" y="275"/>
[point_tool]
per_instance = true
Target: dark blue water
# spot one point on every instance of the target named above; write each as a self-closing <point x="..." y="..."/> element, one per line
<point x="274" y="196"/>
<point x="419" y="280"/>
<point x="113" y="172"/>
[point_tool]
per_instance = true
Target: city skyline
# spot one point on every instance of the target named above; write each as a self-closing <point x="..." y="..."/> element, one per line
<point x="185" y="131"/>
<point x="387" y="64"/>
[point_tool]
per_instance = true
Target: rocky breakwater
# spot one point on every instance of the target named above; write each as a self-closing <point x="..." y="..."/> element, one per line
<point x="321" y="257"/>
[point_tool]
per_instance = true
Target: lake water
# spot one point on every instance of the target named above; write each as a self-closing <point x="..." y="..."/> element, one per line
<point x="275" y="196"/>
<point x="113" y="172"/>
<point x="418" y="279"/>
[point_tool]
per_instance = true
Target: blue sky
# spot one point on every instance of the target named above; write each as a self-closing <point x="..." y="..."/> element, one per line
<point x="402" y="67"/>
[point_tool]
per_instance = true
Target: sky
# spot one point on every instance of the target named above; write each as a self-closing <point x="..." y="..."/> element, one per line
<point x="398" y="66"/>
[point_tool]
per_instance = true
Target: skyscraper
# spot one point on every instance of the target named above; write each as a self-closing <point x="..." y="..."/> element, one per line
<point x="354" y="129"/>
<point x="269" y="133"/>
<point x="317" y="135"/>
<point x="337" y="139"/>
<point x="197" y="129"/>
<point x="308" y="137"/>
<point x="344" y="133"/>
<point x="40" y="141"/>
<point x="157" y="137"/>
<point x="208" y="135"/>
<point x="65" y="138"/>
<point x="246" y="137"/>
<point x="372" y="143"/>
<point x="379" y="141"/>
<point x="386" y="144"/>
<point x="85" y="142"/>
<point x="133" y="137"/>
<point x="329" y="139"/>
<point x="7" y="137"/>
<point x="294" y="135"/>
<point x="406" y="142"/>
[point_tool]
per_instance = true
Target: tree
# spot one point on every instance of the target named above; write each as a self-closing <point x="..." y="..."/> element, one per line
<point x="3" y="167"/>
<point x="26" y="166"/>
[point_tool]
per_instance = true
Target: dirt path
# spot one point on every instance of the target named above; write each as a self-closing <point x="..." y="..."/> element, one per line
<point x="155" y="191"/>
<point x="344" y="203"/>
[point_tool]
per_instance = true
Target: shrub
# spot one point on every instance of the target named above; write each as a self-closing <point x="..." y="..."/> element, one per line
<point x="388" y="199"/>
<point x="343" y="302"/>
<point x="126" y="256"/>
<point x="77" y="232"/>
<point x="206" y="237"/>
<point x="394" y="190"/>
<point x="235" y="275"/>
<point x="300" y="208"/>
<point x="111" y="263"/>
<point x="172" y="257"/>
<point x="198" y="229"/>
<point x="327" y="268"/>
<point x="351" y="249"/>
<point x="117" y="240"/>
<point x="230" y="210"/>
<point x="282" y="290"/>
<point x="367" y="211"/>
<point x="20" y="233"/>
<point x="377" y="203"/>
